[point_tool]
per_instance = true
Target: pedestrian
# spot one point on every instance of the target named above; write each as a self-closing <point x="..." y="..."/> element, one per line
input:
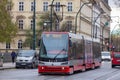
<point x="13" y="55"/>
<point x="1" y="59"/>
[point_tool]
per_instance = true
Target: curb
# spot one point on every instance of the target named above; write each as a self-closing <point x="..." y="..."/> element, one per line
<point x="7" y="68"/>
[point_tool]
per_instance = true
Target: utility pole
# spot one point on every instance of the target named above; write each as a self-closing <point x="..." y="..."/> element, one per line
<point x="54" y="13"/>
<point x="51" y="15"/>
<point x="34" y="25"/>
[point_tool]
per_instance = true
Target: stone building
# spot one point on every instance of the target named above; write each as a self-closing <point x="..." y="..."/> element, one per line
<point x="92" y="20"/>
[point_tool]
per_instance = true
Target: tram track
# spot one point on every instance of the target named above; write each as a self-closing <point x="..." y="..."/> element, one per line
<point x="52" y="77"/>
<point x="107" y="76"/>
<point x="104" y="73"/>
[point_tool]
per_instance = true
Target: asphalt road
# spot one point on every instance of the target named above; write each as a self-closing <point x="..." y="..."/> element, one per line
<point x="105" y="72"/>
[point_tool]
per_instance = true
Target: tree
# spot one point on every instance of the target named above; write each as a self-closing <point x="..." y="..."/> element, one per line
<point x="8" y="29"/>
<point x="115" y="39"/>
<point x="67" y="28"/>
<point x="43" y="18"/>
<point x="29" y="38"/>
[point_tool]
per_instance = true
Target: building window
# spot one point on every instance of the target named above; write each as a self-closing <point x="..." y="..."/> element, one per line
<point x="20" y="44"/>
<point x="9" y="6"/>
<point x="96" y="33"/>
<point x="32" y="6"/>
<point x="57" y="6"/>
<point x="21" y="6"/>
<point x="31" y="24"/>
<point x="20" y="24"/>
<point x="69" y="6"/>
<point x="69" y="25"/>
<point x="45" y="6"/>
<point x="7" y="45"/>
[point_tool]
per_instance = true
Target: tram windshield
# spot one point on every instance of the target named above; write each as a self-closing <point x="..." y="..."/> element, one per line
<point x="54" y="46"/>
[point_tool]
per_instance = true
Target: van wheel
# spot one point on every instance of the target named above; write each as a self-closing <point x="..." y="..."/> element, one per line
<point x="83" y="69"/>
<point x="113" y="66"/>
<point x="33" y="65"/>
<point x="16" y="67"/>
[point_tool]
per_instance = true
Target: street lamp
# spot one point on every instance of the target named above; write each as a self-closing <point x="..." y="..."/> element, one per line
<point x="78" y="13"/>
<point x="106" y="24"/>
<point x="96" y="18"/>
<point x="91" y="1"/>
<point x="34" y="21"/>
<point x="103" y="27"/>
<point x="93" y="25"/>
<point x="44" y="26"/>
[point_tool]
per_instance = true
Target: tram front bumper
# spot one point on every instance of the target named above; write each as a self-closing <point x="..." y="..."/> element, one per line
<point x="53" y="69"/>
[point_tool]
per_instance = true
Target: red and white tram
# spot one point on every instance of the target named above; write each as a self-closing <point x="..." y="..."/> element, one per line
<point x="63" y="52"/>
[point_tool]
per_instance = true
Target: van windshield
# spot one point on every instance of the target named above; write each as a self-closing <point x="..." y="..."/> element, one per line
<point x="106" y="54"/>
<point x="25" y="53"/>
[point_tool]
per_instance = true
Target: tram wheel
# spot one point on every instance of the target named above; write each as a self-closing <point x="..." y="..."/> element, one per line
<point x="71" y="71"/>
<point x="83" y="69"/>
<point x="93" y="66"/>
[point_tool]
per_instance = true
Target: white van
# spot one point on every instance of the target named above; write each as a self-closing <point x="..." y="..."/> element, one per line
<point x="26" y="58"/>
<point x="106" y="56"/>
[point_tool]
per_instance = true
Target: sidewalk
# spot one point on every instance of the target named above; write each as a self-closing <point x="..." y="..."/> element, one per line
<point x="8" y="66"/>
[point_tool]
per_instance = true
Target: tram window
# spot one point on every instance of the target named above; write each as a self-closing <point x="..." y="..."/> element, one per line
<point x="96" y="49"/>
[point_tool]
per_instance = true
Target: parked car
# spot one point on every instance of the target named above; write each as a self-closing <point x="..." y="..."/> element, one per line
<point x="106" y="56"/>
<point x="115" y="59"/>
<point x="26" y="58"/>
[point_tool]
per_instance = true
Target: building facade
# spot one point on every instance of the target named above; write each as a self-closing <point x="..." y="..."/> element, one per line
<point x="90" y="21"/>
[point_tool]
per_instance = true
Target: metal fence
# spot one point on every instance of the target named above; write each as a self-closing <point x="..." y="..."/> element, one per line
<point x="6" y="57"/>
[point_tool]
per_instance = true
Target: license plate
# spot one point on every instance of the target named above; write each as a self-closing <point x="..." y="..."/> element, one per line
<point x="23" y="64"/>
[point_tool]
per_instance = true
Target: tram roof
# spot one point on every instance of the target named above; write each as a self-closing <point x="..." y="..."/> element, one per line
<point x="55" y="32"/>
<point x="79" y="36"/>
<point x="72" y="35"/>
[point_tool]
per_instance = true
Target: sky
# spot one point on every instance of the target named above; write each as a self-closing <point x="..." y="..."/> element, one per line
<point x="115" y="14"/>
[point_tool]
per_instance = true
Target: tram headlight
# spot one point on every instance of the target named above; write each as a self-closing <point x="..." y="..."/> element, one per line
<point x="42" y="67"/>
<point x="63" y="68"/>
